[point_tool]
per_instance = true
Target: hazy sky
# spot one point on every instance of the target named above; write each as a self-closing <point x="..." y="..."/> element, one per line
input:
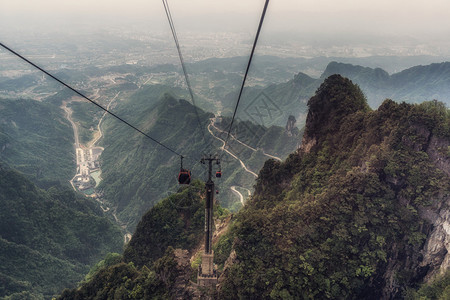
<point x="359" y="16"/>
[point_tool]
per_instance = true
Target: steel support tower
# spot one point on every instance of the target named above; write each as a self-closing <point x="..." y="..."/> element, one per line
<point x="207" y="274"/>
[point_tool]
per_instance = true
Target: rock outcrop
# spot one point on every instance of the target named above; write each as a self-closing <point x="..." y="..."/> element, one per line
<point x="436" y="252"/>
<point x="290" y="125"/>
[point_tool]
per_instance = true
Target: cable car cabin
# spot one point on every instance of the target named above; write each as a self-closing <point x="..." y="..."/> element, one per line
<point x="184" y="177"/>
<point x="219" y="174"/>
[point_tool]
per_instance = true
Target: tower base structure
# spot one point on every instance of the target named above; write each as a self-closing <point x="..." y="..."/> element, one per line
<point x="207" y="272"/>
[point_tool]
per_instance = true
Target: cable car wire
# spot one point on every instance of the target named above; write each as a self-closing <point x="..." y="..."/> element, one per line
<point x="172" y="27"/>
<point x="246" y="72"/>
<point x="183" y="66"/>
<point x="90" y="100"/>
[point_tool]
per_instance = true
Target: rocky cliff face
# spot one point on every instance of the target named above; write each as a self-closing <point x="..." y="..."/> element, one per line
<point x="436" y="251"/>
<point x="290" y="125"/>
<point x="433" y="258"/>
<point x="182" y="287"/>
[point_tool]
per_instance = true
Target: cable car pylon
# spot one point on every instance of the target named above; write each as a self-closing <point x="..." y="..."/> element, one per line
<point x="207" y="272"/>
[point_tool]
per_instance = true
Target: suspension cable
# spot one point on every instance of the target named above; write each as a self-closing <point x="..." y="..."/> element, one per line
<point x="90" y="100"/>
<point x="246" y="72"/>
<point x="183" y="66"/>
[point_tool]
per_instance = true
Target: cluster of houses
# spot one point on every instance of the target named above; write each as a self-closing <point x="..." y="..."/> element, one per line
<point x="87" y="162"/>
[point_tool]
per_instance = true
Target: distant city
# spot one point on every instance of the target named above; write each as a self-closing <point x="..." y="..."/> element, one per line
<point x="114" y="47"/>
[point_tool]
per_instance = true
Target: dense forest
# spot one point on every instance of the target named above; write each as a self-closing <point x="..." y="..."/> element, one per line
<point x="344" y="217"/>
<point x="151" y="267"/>
<point x="48" y="238"/>
<point x="37" y="140"/>
<point x="355" y="213"/>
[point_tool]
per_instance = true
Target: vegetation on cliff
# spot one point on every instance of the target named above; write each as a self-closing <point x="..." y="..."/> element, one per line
<point x="438" y="289"/>
<point x="150" y="267"/>
<point x="125" y="281"/>
<point x="330" y="220"/>
<point x="178" y="221"/>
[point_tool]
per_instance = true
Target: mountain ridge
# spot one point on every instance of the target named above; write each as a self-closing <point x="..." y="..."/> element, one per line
<point x="413" y="85"/>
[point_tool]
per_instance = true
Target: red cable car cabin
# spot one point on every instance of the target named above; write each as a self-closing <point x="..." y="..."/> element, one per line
<point x="184" y="177"/>
<point x="219" y="174"/>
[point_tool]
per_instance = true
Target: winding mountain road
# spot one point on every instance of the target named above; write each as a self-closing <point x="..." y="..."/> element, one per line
<point x="244" y="144"/>
<point x="99" y="133"/>
<point x="68" y="116"/>
<point x="230" y="153"/>
<point x="233" y="188"/>
<point x="271" y="156"/>
<point x="241" y="197"/>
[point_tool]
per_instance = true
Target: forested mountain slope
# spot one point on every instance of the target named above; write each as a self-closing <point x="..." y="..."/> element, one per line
<point x="151" y="267"/>
<point x="356" y="213"/>
<point x="137" y="173"/>
<point x="37" y="140"/>
<point x="48" y="239"/>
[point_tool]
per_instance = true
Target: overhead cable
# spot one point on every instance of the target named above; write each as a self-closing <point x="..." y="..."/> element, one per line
<point x="177" y="44"/>
<point x="246" y="71"/>
<point x="90" y="100"/>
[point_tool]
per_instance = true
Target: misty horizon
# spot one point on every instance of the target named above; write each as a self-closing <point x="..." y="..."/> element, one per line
<point x="349" y="29"/>
<point x="349" y="19"/>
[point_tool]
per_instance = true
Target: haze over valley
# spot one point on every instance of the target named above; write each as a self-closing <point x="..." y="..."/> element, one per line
<point x="341" y="137"/>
